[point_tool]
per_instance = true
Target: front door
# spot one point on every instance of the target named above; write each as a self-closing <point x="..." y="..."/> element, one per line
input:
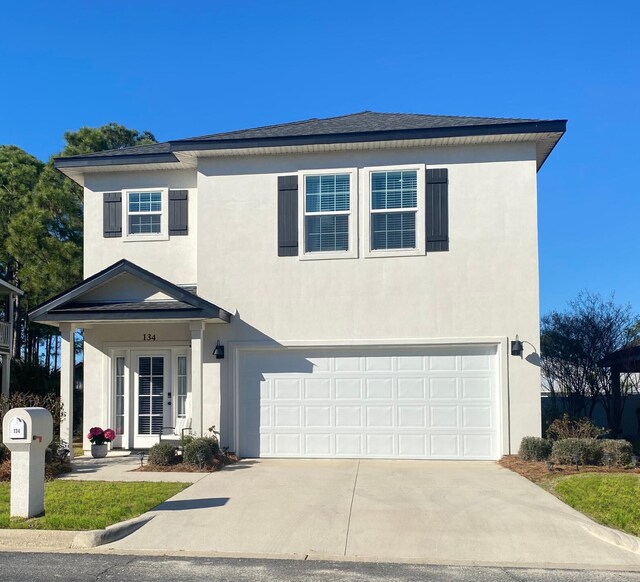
<point x="152" y="396"/>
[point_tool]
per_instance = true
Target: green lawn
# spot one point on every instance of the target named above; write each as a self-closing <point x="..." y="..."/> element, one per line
<point x="610" y="499"/>
<point x="81" y="505"/>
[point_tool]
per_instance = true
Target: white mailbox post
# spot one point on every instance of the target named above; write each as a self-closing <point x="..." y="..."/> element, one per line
<point x="27" y="432"/>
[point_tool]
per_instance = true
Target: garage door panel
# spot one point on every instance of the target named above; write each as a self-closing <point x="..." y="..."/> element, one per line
<point x="436" y="403"/>
<point x="379" y="388"/>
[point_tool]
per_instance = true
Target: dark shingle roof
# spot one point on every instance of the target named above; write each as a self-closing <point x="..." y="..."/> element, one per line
<point x="356" y="127"/>
<point x="365" y="121"/>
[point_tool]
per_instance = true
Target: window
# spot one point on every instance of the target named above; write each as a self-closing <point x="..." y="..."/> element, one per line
<point x="396" y="211"/>
<point x="394" y="203"/>
<point x="119" y="395"/>
<point x="327" y="217"/>
<point x="145" y="212"/>
<point x="181" y="400"/>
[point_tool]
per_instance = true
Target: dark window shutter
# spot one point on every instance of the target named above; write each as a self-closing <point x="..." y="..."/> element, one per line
<point x="178" y="212"/>
<point x="112" y="214"/>
<point x="437" y="211"/>
<point x="287" y="216"/>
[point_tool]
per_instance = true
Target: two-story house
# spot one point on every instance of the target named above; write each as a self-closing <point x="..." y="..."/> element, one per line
<point x="342" y="287"/>
<point x="9" y="294"/>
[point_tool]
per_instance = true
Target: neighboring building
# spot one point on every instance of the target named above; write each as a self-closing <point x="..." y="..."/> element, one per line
<point x="8" y="297"/>
<point x="342" y="287"/>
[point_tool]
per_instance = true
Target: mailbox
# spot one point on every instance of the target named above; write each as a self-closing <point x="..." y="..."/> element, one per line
<point x="27" y="432"/>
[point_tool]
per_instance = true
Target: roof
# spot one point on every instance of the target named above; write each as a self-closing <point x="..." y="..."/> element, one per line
<point x="366" y="126"/>
<point x="183" y="304"/>
<point x="626" y="359"/>
<point x="7" y="288"/>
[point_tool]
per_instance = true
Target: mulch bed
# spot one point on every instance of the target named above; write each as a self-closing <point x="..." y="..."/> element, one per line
<point x="218" y="463"/>
<point x="537" y="471"/>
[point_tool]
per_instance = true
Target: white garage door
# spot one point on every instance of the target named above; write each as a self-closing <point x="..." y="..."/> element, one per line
<point x="440" y="403"/>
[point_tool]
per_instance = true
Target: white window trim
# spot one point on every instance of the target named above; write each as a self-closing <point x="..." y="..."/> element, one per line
<point x="177" y="353"/>
<point x="365" y="180"/>
<point x="164" y="216"/>
<point x="352" y="252"/>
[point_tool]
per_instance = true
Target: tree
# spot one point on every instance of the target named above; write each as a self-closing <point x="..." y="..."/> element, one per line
<point x="41" y="231"/>
<point x="573" y="345"/>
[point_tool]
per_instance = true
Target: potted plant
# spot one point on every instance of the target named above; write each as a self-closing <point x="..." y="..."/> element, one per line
<point x="99" y="439"/>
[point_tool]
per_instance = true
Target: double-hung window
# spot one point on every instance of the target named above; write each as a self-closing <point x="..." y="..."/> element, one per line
<point x="396" y="203"/>
<point x="146" y="214"/>
<point x="327" y="216"/>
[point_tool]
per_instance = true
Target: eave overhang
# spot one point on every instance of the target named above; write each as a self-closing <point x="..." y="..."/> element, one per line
<point x="182" y="153"/>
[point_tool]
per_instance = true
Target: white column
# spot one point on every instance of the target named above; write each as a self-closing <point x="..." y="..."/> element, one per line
<point x="197" y="333"/>
<point x="67" y="363"/>
<point x="6" y="374"/>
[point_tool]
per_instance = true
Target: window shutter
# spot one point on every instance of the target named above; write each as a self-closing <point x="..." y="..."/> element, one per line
<point x="437" y="210"/>
<point x="287" y="216"/>
<point x="178" y="212"/>
<point x="112" y="214"/>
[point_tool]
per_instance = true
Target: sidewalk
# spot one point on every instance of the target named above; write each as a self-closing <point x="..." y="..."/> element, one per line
<point x="121" y="466"/>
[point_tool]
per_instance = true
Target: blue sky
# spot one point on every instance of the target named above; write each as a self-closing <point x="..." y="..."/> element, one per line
<point x="191" y="68"/>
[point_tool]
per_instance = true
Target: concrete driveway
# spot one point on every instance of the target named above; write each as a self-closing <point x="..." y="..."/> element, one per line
<point x="426" y="511"/>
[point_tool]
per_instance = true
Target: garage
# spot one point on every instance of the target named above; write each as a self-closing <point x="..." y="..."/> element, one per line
<point x="411" y="403"/>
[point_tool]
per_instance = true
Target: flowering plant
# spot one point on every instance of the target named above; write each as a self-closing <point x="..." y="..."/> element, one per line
<point x="97" y="436"/>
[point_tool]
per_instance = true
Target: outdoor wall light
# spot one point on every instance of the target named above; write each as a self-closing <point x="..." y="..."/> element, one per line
<point x="218" y="351"/>
<point x="517" y="347"/>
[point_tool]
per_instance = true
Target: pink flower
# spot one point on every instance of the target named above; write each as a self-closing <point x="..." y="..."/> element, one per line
<point x="89" y="436"/>
<point x="109" y="434"/>
<point x="95" y="431"/>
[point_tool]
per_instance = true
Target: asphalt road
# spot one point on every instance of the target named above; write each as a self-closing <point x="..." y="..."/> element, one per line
<point x="35" y="567"/>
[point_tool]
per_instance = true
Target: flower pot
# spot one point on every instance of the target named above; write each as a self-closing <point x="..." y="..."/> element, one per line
<point x="99" y="451"/>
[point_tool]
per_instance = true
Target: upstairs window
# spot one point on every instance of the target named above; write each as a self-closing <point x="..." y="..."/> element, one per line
<point x="394" y="206"/>
<point x="145" y="213"/>
<point x="327" y="215"/>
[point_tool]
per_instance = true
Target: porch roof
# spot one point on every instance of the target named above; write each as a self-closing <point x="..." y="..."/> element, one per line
<point x="626" y="359"/>
<point x="178" y="303"/>
<point x="9" y="289"/>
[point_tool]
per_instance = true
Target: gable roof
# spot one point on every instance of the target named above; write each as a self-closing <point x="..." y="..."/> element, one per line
<point x="366" y="126"/>
<point x="7" y="288"/>
<point x="68" y="306"/>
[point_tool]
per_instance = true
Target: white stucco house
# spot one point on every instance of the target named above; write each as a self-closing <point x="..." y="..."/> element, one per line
<point x="342" y="287"/>
<point x="9" y="295"/>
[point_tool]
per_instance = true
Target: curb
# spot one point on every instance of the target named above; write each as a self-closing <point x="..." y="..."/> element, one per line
<point x="614" y="537"/>
<point x="113" y="533"/>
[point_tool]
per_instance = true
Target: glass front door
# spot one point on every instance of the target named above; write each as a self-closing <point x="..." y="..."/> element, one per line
<point x="152" y="397"/>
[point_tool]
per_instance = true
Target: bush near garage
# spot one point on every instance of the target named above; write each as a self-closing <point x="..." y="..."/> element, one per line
<point x="534" y="449"/>
<point x="588" y="450"/>
<point x="621" y="451"/>
<point x="198" y="453"/>
<point x="573" y="428"/>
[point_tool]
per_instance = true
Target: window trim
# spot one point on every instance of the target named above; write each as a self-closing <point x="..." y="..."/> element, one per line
<point x="352" y="251"/>
<point x="164" y="215"/>
<point x="368" y="212"/>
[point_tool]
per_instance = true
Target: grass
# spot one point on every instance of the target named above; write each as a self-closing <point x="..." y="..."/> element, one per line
<point x="78" y="505"/>
<point x="610" y="499"/>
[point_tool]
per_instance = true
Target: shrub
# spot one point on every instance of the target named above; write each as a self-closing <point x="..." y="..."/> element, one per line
<point x="589" y="451"/>
<point x="198" y="452"/>
<point x="621" y="451"/>
<point x="23" y="399"/>
<point x="163" y="454"/>
<point x="534" y="449"/>
<point x="573" y="428"/>
<point x="5" y="453"/>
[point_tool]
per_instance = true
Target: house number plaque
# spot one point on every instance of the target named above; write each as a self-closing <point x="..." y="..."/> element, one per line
<point x="149" y="337"/>
<point x="18" y="428"/>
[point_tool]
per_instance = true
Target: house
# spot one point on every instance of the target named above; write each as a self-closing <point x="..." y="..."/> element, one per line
<point x="8" y="296"/>
<point x="341" y="287"/>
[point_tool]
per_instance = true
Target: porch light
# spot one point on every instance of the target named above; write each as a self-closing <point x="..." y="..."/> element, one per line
<point x="218" y="351"/>
<point x="517" y="347"/>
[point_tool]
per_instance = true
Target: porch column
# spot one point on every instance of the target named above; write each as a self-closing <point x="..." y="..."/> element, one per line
<point x="197" y="333"/>
<point x="6" y="374"/>
<point x="67" y="363"/>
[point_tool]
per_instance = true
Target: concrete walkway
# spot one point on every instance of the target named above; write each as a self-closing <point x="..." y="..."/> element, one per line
<point x="117" y="466"/>
<point x="433" y="512"/>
